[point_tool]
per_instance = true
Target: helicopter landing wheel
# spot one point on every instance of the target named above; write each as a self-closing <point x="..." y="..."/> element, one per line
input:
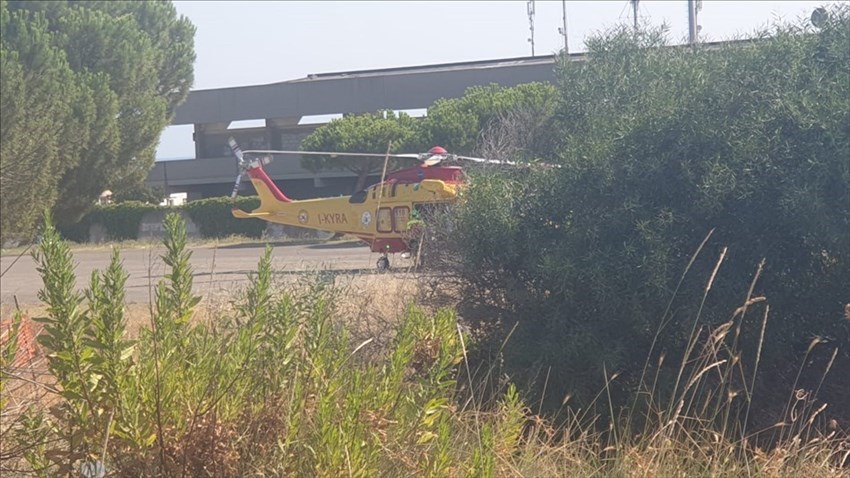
<point x="383" y="263"/>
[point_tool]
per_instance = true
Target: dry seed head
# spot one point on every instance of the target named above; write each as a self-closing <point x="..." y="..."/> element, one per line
<point x="720" y="332"/>
<point x="675" y="416"/>
<point x="816" y="413"/>
<point x="755" y="300"/>
<point x="716" y="268"/>
<point x="814" y="343"/>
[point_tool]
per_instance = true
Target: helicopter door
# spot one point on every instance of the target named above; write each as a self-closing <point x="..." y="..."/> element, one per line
<point x="393" y="219"/>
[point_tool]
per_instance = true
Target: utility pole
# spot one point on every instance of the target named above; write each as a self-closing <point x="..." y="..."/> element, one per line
<point x="530" y="7"/>
<point x="692" y="22"/>
<point x="635" y="12"/>
<point x="563" y="31"/>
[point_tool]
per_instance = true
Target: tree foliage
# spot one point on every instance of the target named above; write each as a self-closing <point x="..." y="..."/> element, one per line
<point x="454" y="123"/>
<point x="658" y="147"/>
<point x="37" y="99"/>
<point x="457" y="123"/>
<point x="142" y="193"/>
<point x="366" y="133"/>
<point x="87" y="89"/>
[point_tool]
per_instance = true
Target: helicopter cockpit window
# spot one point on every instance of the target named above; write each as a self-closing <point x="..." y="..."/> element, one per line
<point x="358" y="197"/>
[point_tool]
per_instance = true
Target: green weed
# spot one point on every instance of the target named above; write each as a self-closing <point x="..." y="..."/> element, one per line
<point x="278" y="387"/>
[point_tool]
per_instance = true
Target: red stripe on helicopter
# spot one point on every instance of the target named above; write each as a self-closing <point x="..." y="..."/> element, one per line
<point x="383" y="244"/>
<point x="260" y="174"/>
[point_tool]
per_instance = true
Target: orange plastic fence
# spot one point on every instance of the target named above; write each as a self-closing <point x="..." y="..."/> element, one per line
<point x="27" y="346"/>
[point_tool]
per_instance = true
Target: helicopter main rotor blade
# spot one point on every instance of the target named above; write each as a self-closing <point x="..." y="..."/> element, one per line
<point x="483" y="160"/>
<point x="427" y="159"/>
<point x="330" y="153"/>
<point x="508" y="163"/>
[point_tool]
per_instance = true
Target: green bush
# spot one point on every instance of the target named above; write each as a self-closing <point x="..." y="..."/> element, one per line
<point x="142" y="193"/>
<point x="212" y="216"/>
<point x="121" y="221"/>
<point x="214" y="219"/>
<point x="275" y="372"/>
<point x="659" y="147"/>
<point x="276" y="386"/>
<point x="78" y="231"/>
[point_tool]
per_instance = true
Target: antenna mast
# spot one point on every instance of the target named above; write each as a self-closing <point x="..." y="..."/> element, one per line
<point x="563" y="31"/>
<point x="635" y="12"/>
<point x="693" y="29"/>
<point x="530" y="7"/>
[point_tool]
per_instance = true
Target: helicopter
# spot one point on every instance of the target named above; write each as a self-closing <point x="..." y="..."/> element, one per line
<point x="379" y="215"/>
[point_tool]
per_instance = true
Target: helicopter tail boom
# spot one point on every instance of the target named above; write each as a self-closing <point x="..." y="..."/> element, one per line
<point x="266" y="188"/>
<point x="240" y="214"/>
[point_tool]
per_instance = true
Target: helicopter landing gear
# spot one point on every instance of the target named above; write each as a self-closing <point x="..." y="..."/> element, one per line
<point x="383" y="263"/>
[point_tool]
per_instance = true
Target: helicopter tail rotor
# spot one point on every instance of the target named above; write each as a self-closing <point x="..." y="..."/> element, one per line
<point x="249" y="164"/>
<point x="244" y="164"/>
<point x="240" y="165"/>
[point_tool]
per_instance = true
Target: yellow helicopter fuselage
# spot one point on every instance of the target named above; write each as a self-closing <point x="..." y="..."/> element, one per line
<point x="378" y="215"/>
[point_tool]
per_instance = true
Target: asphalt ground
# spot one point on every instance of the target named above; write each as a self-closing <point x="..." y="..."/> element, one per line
<point x="217" y="269"/>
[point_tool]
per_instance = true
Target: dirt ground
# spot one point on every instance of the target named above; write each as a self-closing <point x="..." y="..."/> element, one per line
<point x="218" y="270"/>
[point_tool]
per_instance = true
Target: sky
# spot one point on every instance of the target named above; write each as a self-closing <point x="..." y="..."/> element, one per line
<point x="242" y="43"/>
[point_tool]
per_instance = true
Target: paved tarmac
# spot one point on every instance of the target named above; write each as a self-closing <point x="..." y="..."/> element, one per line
<point x="216" y="269"/>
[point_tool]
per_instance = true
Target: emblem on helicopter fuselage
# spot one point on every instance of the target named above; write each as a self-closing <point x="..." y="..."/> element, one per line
<point x="366" y="218"/>
<point x="303" y="217"/>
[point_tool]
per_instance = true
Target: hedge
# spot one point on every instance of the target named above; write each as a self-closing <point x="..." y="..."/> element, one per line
<point x="212" y="217"/>
<point x="120" y="221"/>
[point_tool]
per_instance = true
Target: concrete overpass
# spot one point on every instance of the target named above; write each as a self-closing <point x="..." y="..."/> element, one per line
<point x="281" y="107"/>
